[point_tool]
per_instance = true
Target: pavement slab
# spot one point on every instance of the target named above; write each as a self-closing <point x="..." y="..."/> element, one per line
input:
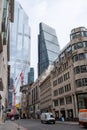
<point x="10" y="125"/>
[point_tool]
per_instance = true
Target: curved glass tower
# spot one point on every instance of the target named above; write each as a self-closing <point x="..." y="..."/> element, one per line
<point x="48" y="47"/>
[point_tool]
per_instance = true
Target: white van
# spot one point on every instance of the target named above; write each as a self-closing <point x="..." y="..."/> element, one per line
<point x="47" y="118"/>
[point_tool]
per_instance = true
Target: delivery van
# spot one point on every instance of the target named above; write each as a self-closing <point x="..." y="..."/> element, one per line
<point x="47" y="118"/>
<point x="83" y="117"/>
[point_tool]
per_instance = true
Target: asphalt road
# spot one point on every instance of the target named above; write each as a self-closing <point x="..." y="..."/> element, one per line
<point x="36" y="125"/>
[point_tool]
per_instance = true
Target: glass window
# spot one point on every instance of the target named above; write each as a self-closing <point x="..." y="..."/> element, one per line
<point x="78" y="83"/>
<point x="85" y="44"/>
<point x="54" y="83"/>
<point x="85" y="34"/>
<point x="80" y="45"/>
<point x="20" y="25"/>
<point x="74" y="47"/>
<point x="55" y="92"/>
<point x="50" y="38"/>
<point x="81" y="56"/>
<point x="52" y="55"/>
<point x="86" y="55"/>
<point x="61" y="101"/>
<point x="51" y="46"/>
<point x="77" y="70"/>
<point x="83" y="68"/>
<point x="68" y="100"/>
<point x="67" y="87"/>
<point x="76" y="35"/>
<point x="56" y="102"/>
<point x="19" y="45"/>
<point x="61" y="90"/>
<point x="75" y="58"/>
<point x="84" y="82"/>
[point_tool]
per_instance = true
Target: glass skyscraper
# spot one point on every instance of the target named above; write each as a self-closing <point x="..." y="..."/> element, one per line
<point x="20" y="46"/>
<point x="48" y="47"/>
<point x="31" y="76"/>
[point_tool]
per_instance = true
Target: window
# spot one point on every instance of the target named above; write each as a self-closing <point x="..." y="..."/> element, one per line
<point x="85" y="34"/>
<point x="83" y="68"/>
<point x="67" y="87"/>
<point x="54" y="83"/>
<point x="81" y="56"/>
<point x="78" y="83"/>
<point x="60" y="80"/>
<point x="61" y="90"/>
<point x="56" y="102"/>
<point x="81" y="82"/>
<point x="68" y="100"/>
<point x="85" y="43"/>
<point x="55" y="92"/>
<point x="77" y="70"/>
<point x="84" y="82"/>
<point x="79" y="45"/>
<point x="76" y="35"/>
<point x="75" y="58"/>
<point x="61" y="101"/>
<point x="66" y="76"/>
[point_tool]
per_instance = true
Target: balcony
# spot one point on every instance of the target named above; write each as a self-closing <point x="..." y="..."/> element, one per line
<point x="1" y="45"/>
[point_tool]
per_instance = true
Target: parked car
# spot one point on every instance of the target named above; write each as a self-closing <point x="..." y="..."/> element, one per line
<point x="47" y="118"/>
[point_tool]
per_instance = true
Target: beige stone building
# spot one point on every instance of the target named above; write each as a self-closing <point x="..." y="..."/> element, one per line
<point x="6" y="15"/>
<point x="46" y="90"/>
<point x="62" y="88"/>
<point x="24" y="101"/>
<point x="34" y="100"/>
<point x="70" y="76"/>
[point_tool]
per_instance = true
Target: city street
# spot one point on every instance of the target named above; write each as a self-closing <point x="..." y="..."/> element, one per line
<point x="36" y="125"/>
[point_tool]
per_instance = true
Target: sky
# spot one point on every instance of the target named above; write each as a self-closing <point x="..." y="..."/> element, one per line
<point x="62" y="15"/>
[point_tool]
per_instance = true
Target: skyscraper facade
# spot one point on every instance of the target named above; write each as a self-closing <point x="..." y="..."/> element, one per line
<point x="19" y="47"/>
<point x="31" y="76"/>
<point x="48" y="47"/>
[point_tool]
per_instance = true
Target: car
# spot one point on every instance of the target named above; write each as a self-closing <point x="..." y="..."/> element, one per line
<point x="47" y="117"/>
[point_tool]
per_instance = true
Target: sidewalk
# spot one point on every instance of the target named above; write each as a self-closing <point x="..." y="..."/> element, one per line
<point x="10" y="125"/>
<point x="67" y="122"/>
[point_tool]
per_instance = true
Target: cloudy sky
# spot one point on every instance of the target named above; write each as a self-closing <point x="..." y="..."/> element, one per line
<point x="63" y="15"/>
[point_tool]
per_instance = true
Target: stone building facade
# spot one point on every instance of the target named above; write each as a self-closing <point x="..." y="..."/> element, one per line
<point x="62" y="88"/>
<point x="70" y="76"/>
<point x="6" y="16"/>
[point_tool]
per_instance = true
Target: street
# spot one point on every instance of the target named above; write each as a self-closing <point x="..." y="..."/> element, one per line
<point x="36" y="125"/>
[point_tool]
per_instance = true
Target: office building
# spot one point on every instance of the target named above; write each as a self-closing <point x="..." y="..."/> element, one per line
<point x="69" y="77"/>
<point x="48" y="47"/>
<point x="19" y="48"/>
<point x="31" y="75"/>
